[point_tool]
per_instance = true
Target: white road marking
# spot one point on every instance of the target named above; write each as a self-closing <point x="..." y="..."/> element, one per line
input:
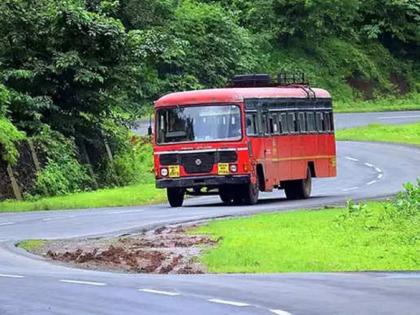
<point x="349" y="189"/>
<point x="352" y="159"/>
<point x="160" y="292"/>
<point x="380" y="175"/>
<point x="371" y="182"/>
<point x="233" y="303"/>
<point x="369" y="165"/>
<point x="7" y="223"/>
<point x="99" y="284"/>
<point x="11" y="276"/>
<point x="280" y="312"/>
<point x="399" y="117"/>
<point x="125" y="211"/>
<point x="378" y="170"/>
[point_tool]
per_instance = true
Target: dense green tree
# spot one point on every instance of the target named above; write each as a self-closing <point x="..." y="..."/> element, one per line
<point x="394" y="23"/>
<point x="201" y="47"/>
<point x="64" y="65"/>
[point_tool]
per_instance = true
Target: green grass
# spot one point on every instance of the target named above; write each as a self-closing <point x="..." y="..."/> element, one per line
<point x="31" y="245"/>
<point x="315" y="241"/>
<point x="408" y="133"/>
<point x="408" y="102"/>
<point x="112" y="197"/>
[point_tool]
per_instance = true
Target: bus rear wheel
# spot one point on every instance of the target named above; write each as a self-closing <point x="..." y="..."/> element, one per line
<point x="175" y="197"/>
<point x="299" y="189"/>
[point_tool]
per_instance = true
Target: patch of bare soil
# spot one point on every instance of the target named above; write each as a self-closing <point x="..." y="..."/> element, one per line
<point x="163" y="250"/>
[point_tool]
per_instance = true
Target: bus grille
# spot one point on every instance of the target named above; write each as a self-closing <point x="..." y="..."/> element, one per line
<point x="195" y="163"/>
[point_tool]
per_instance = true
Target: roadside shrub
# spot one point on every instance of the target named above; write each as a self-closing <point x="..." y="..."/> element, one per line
<point x="61" y="178"/>
<point x="407" y="202"/>
<point x="134" y="165"/>
<point x="9" y="136"/>
<point x="402" y="213"/>
<point x="62" y="174"/>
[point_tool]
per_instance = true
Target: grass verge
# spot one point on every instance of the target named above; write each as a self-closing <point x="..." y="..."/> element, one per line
<point x="408" y="102"/>
<point x="408" y="133"/>
<point x="374" y="236"/>
<point x="31" y="245"/>
<point x="112" y="197"/>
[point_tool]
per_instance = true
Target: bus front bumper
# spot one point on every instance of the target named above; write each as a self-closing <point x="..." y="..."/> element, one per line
<point x="203" y="181"/>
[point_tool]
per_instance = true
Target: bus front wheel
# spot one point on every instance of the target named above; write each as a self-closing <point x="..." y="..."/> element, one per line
<point x="175" y="197"/>
<point x="226" y="195"/>
<point x="251" y="194"/>
<point x="299" y="189"/>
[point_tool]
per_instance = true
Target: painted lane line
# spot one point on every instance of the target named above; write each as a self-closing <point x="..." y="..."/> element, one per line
<point x="99" y="284"/>
<point x="7" y="223"/>
<point x="352" y="159"/>
<point x="233" y="303"/>
<point x="11" y="276"/>
<point x="378" y="170"/>
<point x="371" y="182"/>
<point x="380" y="175"/>
<point x="125" y="211"/>
<point x="280" y="312"/>
<point x="369" y="165"/>
<point x="349" y="189"/>
<point x="160" y="292"/>
<point x="399" y="117"/>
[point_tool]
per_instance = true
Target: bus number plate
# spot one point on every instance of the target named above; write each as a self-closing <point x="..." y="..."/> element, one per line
<point x="174" y="171"/>
<point x="223" y="169"/>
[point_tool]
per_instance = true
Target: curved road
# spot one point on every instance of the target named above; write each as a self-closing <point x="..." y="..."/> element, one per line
<point x="31" y="285"/>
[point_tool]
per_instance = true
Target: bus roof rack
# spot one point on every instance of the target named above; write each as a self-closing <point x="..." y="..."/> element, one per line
<point x="251" y="80"/>
<point x="265" y="80"/>
<point x="284" y="78"/>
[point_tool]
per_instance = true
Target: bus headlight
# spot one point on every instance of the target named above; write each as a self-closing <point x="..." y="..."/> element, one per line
<point x="164" y="172"/>
<point x="233" y="168"/>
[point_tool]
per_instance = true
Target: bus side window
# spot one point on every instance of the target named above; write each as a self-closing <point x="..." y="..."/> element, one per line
<point x="292" y="122"/>
<point x="270" y="124"/>
<point x="302" y="122"/>
<point x="251" y="126"/>
<point x="283" y="124"/>
<point x="310" y="119"/>
<point x="275" y="124"/>
<point x="318" y="119"/>
<point x="327" y="123"/>
<point x="263" y="124"/>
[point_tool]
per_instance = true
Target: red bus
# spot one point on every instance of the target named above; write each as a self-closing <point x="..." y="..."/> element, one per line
<point x="238" y="141"/>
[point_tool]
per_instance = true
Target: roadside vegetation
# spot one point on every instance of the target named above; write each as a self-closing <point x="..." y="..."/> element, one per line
<point x="133" y="195"/>
<point x="360" y="237"/>
<point x="408" y="133"/>
<point x="408" y="102"/>
<point x="31" y="245"/>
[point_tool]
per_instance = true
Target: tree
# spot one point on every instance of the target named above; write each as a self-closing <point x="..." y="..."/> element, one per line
<point x="64" y="65"/>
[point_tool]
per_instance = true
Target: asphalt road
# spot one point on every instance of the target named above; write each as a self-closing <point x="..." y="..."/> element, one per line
<point x="31" y="285"/>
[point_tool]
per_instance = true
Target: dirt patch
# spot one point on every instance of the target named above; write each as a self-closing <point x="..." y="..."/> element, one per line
<point x="364" y="86"/>
<point x="163" y="250"/>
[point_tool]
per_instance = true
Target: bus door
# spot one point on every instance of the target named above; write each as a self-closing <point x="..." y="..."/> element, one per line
<point x="269" y="148"/>
<point x="284" y="143"/>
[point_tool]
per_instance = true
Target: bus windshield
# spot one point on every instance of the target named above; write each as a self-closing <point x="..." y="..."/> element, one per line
<point x="198" y="123"/>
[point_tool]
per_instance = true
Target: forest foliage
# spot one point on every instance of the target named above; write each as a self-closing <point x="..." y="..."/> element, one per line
<point x="85" y="69"/>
